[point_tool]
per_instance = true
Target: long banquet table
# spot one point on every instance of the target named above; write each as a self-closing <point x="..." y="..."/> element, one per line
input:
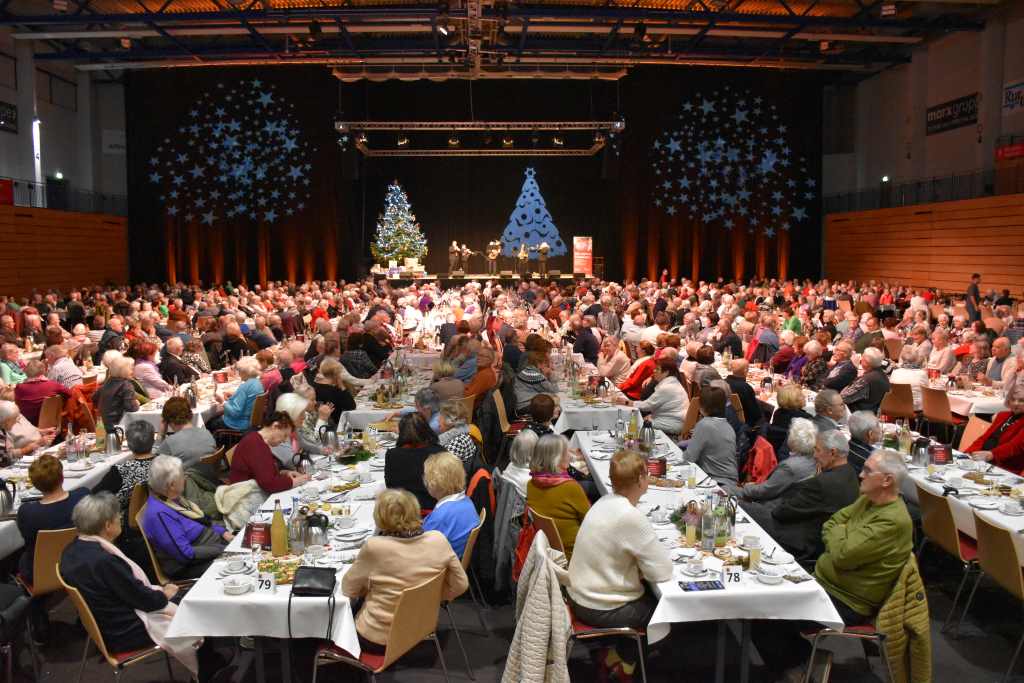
<point x="744" y="601"/>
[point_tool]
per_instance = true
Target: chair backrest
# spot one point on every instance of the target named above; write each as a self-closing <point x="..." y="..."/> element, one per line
<point x="995" y="324"/>
<point x="49" y="546"/>
<point x="88" y="620"/>
<point x="998" y="556"/>
<point x="936" y="310"/>
<point x="844" y="305"/>
<point x="974" y="428"/>
<point x="691" y="418"/>
<point x="547" y="525"/>
<point x="466" y="406"/>
<point x="937" y="521"/>
<point x="89" y="379"/>
<point x="499" y="408"/>
<point x="960" y="310"/>
<point x="415" y="618"/>
<point x="213" y="458"/>
<point x="50" y="412"/>
<point x="898" y="401"/>
<point x="737" y="405"/>
<point x="259" y="406"/>
<point x="140" y="494"/>
<point x="158" y="571"/>
<point x="478" y="438"/>
<point x="935" y="405"/>
<point x="230" y="454"/>
<point x="467" y="553"/>
<point x="893" y="348"/>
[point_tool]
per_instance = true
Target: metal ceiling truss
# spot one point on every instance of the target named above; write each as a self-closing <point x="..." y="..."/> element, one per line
<point x="478" y="40"/>
<point x="491" y="152"/>
<point x="484" y="126"/>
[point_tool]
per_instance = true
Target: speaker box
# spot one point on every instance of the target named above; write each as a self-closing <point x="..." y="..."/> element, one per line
<point x="458" y="273"/>
<point x="579" y="276"/>
<point x="554" y="273"/>
<point x="506" y="273"/>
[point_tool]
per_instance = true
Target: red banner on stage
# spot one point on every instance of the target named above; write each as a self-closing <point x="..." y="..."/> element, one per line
<point x="583" y="255"/>
<point x="1010" y="151"/>
<point x="6" y="192"/>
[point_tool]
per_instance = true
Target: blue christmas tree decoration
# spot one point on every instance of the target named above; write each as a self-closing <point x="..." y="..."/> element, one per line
<point x="531" y="223"/>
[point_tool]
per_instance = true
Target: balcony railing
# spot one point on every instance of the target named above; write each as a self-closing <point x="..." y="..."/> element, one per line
<point x="61" y="196"/>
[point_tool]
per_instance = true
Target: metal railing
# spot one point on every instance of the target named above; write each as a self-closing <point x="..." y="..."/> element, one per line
<point x="61" y="196"/>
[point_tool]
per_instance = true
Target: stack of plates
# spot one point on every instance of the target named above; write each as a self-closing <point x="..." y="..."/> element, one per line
<point x="376" y="462"/>
<point x="247" y="568"/>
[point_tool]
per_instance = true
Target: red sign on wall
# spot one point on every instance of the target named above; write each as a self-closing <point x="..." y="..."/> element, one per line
<point x="1010" y="151"/>
<point x="6" y="192"/>
<point x="583" y="255"/>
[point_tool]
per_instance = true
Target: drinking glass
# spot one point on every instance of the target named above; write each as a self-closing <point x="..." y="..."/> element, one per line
<point x="313" y="554"/>
<point x="257" y="554"/>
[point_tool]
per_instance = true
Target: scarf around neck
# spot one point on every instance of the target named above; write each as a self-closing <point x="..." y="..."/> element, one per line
<point x="549" y="480"/>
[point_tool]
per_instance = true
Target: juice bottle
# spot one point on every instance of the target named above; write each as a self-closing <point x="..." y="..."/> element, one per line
<point x="278" y="532"/>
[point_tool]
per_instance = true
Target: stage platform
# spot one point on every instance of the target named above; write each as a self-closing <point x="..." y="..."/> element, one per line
<point x="446" y="281"/>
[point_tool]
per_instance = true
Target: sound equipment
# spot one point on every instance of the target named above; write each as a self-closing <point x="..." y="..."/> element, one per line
<point x="458" y="273"/>
<point x="506" y="273"/>
<point x="554" y="273"/>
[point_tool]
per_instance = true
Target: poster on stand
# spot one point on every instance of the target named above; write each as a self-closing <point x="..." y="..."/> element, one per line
<point x="583" y="255"/>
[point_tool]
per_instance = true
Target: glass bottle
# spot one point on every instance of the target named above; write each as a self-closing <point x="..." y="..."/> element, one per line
<point x="905" y="440"/>
<point x="297" y="527"/>
<point x="707" y="526"/>
<point x="278" y="532"/>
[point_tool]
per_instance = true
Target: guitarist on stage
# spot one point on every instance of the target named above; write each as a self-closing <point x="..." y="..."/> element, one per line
<point x="542" y="250"/>
<point x="523" y="260"/>
<point x="453" y="257"/>
<point x="493" y="249"/>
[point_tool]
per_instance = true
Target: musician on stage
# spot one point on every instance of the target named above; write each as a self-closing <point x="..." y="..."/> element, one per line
<point x="466" y="253"/>
<point x="542" y="250"/>
<point x="493" y="250"/>
<point x="522" y="261"/>
<point x="454" y="253"/>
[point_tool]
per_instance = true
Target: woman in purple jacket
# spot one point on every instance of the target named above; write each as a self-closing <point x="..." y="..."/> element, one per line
<point x="184" y="539"/>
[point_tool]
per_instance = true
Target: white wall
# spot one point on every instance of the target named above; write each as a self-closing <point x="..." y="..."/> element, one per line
<point x="891" y="106"/>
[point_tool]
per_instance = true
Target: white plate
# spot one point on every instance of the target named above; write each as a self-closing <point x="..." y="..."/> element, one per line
<point x="80" y="466"/>
<point x="770" y="579"/>
<point x="243" y="586"/>
<point x="245" y="570"/>
<point x="778" y="557"/>
<point x="686" y="572"/>
<point x="982" y="504"/>
<point x="1018" y="511"/>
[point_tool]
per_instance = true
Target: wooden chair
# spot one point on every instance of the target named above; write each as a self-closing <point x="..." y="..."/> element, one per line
<point x="140" y="494"/>
<point x="936" y="310"/>
<point x="509" y="428"/>
<point x="118" y="660"/>
<point x="995" y="324"/>
<point x="844" y="305"/>
<point x="465" y="406"/>
<point x="50" y="412"/>
<point x="49" y="546"/>
<point x="935" y="409"/>
<point x="550" y="529"/>
<point x="228" y="436"/>
<point x="230" y="454"/>
<point x="898" y="402"/>
<point x="940" y="530"/>
<point x="961" y="310"/>
<point x="158" y="571"/>
<point x="414" y="621"/>
<point x="259" y="407"/>
<point x="737" y="405"/>
<point x="89" y="379"/>
<point x="582" y="631"/>
<point x="893" y="348"/>
<point x="974" y="428"/>
<point x="214" y="459"/>
<point x="467" y="559"/>
<point x="999" y="558"/>
<point x="691" y="418"/>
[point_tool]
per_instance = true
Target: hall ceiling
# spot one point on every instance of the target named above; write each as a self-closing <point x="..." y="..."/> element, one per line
<point x="388" y="39"/>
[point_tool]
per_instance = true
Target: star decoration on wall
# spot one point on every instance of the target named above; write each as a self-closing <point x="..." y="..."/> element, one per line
<point x="239" y="148"/>
<point x="730" y="152"/>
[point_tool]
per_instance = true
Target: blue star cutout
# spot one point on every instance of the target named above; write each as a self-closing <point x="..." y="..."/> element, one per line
<point x="182" y="158"/>
<point x="671" y="211"/>
<point x="769" y="232"/>
<point x="301" y="206"/>
<point x="707" y="107"/>
<point x="208" y="218"/>
<point x="799" y="213"/>
<point x="189" y="217"/>
<point x="808" y="195"/>
<point x="667" y="184"/>
<point x="777" y="196"/>
<point x="154" y="177"/>
<point x="295" y="173"/>
<point x="200" y="203"/>
<point x="196" y="171"/>
<point x="673" y="146"/>
<point x="172" y="210"/>
<point x="810" y="182"/>
<point x="265" y="99"/>
<point x="173" y="194"/>
<point x="256" y="83"/>
<point x="270" y="216"/>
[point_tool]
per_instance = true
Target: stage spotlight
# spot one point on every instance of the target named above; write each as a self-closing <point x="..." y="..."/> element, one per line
<point x="557" y="141"/>
<point x="453" y="141"/>
<point x="598" y="137"/>
<point x="340" y="124"/>
<point x="443" y="30"/>
<point x="885" y="179"/>
<point x="507" y="141"/>
<point x="402" y="140"/>
<point x="361" y="138"/>
<point x="620" y="123"/>
<point x="58" y="175"/>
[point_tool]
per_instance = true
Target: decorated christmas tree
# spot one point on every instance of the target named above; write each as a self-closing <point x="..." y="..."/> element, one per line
<point x="531" y="223"/>
<point x="398" y="234"/>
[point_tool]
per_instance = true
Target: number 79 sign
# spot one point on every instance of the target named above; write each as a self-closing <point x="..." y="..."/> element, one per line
<point x="266" y="583"/>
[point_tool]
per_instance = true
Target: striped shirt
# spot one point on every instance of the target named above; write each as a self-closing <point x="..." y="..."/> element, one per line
<point x="65" y="372"/>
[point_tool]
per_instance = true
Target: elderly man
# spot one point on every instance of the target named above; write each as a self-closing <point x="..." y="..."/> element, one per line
<point x="867" y="543"/>
<point x="872" y="330"/>
<point x="607" y="319"/>
<point x="11" y="370"/>
<point x="866" y="392"/>
<point x="60" y="368"/>
<point x="1002" y="367"/>
<point x="112" y="338"/>
<point x="37" y="387"/>
<point x="864" y="431"/>
<point x="18" y="436"/>
<point x="612" y="363"/>
<point x="737" y="381"/>
<point x="8" y="332"/>
<point x="725" y="339"/>
<point x="172" y="368"/>
<point x="829" y="410"/>
<point x="795" y="522"/>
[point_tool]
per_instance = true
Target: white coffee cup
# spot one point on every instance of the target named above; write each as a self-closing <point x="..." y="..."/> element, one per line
<point x="236" y="565"/>
<point x="660" y="516"/>
<point x="695" y="565"/>
<point x="346" y="522"/>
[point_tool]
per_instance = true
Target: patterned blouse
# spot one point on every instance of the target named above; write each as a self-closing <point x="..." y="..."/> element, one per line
<point x="972" y="368"/>
<point x="814" y="372"/>
<point x="131" y="472"/>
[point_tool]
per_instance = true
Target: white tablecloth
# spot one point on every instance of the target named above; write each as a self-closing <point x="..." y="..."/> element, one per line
<point x="577" y="414"/>
<point x="749" y="599"/>
<point x="976" y="403"/>
<point x="10" y="537"/>
<point x="207" y="611"/>
<point x="205" y="409"/>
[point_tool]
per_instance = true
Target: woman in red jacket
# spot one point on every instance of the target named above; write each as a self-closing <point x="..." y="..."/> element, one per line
<point x="1003" y="442"/>
<point x="643" y="368"/>
<point x="253" y="458"/>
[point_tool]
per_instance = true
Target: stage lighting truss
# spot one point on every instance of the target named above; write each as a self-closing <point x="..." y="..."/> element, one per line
<point x="494" y="139"/>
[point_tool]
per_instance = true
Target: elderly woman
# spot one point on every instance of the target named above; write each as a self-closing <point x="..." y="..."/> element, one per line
<point x="713" y="444"/>
<point x="238" y="407"/>
<point x="270" y="374"/>
<point x="536" y="377"/>
<point x="790" y="398"/>
<point x="915" y="354"/>
<point x="975" y="365"/>
<point x="52" y="511"/>
<point x="815" y="368"/>
<point x="454" y="515"/>
<point x="401" y="555"/>
<point x="781" y="359"/>
<point x="117" y="396"/>
<point x="184" y="539"/>
<point x="130" y="612"/>
<point x="942" y="356"/>
<point x="19" y="436"/>
<point x="520" y="455"/>
<point x="617" y="554"/>
<point x="797" y="467"/>
<point x="796" y="365"/>
<point x="865" y="431"/>
<point x="195" y="356"/>
<point x="355" y="359"/>
<point x="1003" y="442"/>
<point x="183" y="439"/>
<point x="403" y="464"/>
<point x="454" y="436"/>
<point x="612" y="363"/>
<point x="330" y="388"/>
<point x="667" y="405"/>
<point x="146" y="372"/>
<point x="703" y="373"/>
<point x="122" y="478"/>
<point x="640" y="371"/>
<point x="552" y="492"/>
<point x="485" y="378"/>
<point x="307" y="426"/>
<point x="444" y="385"/>
<point x="254" y="456"/>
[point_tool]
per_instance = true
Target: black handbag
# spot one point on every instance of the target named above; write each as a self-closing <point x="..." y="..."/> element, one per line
<point x="314" y="582"/>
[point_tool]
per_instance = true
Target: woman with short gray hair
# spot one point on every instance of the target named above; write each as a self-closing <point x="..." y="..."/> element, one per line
<point x="185" y="541"/>
<point x="552" y="492"/>
<point x="122" y="478"/>
<point x="798" y="466"/>
<point x="520" y="455"/>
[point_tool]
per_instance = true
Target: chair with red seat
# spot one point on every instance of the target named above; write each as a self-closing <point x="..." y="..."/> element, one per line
<point x="583" y="631"/>
<point x="118" y="660"/>
<point x="414" y="620"/>
<point x="939" y="528"/>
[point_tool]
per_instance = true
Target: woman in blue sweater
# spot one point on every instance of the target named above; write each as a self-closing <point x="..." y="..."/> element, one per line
<point x="454" y="515"/>
<point x="238" y="407"/>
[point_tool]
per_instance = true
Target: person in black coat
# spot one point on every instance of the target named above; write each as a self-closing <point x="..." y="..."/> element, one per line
<point x="586" y="343"/>
<point x="331" y="390"/>
<point x="727" y="339"/>
<point x="843" y="371"/>
<point x="172" y="368"/>
<point x="796" y="521"/>
<point x="867" y="391"/>
<point x="403" y="464"/>
<point x="737" y="381"/>
<point x="376" y="346"/>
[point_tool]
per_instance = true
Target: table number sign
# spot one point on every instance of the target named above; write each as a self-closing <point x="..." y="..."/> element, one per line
<point x="731" y="574"/>
<point x="266" y="583"/>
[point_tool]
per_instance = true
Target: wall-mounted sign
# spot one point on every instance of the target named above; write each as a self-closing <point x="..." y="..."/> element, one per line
<point x="1013" y="98"/>
<point x="113" y="142"/>
<point x="8" y="117"/>
<point x="963" y="111"/>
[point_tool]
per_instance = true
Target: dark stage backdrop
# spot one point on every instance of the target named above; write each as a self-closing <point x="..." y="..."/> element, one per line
<point x="256" y="187"/>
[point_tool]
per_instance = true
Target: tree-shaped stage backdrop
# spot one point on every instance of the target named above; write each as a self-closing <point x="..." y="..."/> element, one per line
<point x="530" y="223"/>
<point x="398" y="234"/>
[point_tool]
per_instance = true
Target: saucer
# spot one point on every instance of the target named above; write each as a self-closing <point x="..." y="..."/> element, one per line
<point x="982" y="504"/>
<point x="778" y="557"/>
<point x="686" y="572"/>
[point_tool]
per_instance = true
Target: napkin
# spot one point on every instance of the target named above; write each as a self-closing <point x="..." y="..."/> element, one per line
<point x="367" y="491"/>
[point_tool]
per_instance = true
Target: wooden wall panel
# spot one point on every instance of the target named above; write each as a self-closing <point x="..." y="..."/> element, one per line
<point x="43" y="249"/>
<point x="933" y="245"/>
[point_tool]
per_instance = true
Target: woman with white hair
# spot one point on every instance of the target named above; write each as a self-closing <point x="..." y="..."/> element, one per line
<point x="942" y="356"/>
<point x="815" y="368"/>
<point x="238" y="406"/>
<point x="797" y="467"/>
<point x="520" y="455"/>
<point x="184" y="539"/>
<point x="18" y="435"/>
<point x="122" y="478"/>
<point x="117" y="394"/>
<point x="307" y="427"/>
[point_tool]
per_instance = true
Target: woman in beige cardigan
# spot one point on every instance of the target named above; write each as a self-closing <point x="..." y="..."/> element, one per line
<point x="400" y="556"/>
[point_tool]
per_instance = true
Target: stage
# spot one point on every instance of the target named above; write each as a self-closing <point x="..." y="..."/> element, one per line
<point x="447" y="281"/>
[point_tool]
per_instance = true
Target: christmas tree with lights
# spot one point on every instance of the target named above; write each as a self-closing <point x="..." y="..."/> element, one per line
<point x="398" y="234"/>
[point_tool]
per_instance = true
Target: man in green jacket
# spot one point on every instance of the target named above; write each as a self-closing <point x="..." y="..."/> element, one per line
<point x="868" y="542"/>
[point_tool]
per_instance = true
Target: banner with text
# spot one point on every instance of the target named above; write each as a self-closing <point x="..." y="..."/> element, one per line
<point x="1013" y="98"/>
<point x="582" y="254"/>
<point x="963" y="111"/>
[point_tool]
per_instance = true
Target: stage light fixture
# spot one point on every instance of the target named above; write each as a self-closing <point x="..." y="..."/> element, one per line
<point x="453" y="141"/>
<point x="58" y="175"/>
<point x="443" y="30"/>
<point x="598" y="137"/>
<point x="340" y="122"/>
<point x="885" y="179"/>
<point x="507" y="141"/>
<point x="558" y="141"/>
<point x="361" y="138"/>
<point x="402" y="140"/>
<point x="619" y="123"/>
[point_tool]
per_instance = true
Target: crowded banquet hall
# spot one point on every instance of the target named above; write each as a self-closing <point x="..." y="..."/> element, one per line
<point x="512" y="341"/>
